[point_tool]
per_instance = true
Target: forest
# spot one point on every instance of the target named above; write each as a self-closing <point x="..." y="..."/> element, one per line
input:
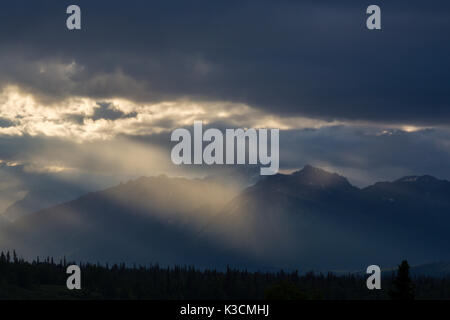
<point x="46" y="279"/>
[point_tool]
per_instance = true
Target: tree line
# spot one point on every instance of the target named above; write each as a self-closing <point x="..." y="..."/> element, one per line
<point x="46" y="279"/>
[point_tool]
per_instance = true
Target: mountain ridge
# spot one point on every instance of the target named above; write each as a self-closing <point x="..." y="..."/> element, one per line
<point x="311" y="218"/>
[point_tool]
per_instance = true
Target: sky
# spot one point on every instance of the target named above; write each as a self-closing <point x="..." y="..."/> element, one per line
<point x="102" y="101"/>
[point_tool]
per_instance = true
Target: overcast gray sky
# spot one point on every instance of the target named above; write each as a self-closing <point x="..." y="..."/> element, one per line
<point x="102" y="101"/>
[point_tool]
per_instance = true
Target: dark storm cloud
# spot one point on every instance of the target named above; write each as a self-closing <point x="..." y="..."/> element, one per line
<point x="363" y="154"/>
<point x="314" y="58"/>
<point x="109" y="112"/>
<point x="6" y="123"/>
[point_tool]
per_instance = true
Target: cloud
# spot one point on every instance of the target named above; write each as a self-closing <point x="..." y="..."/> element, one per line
<point x="107" y="111"/>
<point x="86" y="119"/>
<point x="308" y="59"/>
<point x="371" y="105"/>
<point x="120" y="136"/>
<point x="5" y="123"/>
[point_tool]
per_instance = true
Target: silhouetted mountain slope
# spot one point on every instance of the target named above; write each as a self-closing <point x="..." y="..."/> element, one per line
<point x="416" y="208"/>
<point x="414" y="193"/>
<point x="315" y="219"/>
<point x="39" y="199"/>
<point x="146" y="220"/>
<point x="311" y="219"/>
<point x="437" y="269"/>
<point x="311" y="185"/>
<point x="239" y="177"/>
<point x="45" y="190"/>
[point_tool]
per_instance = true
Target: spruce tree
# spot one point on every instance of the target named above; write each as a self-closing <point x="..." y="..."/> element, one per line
<point x="403" y="288"/>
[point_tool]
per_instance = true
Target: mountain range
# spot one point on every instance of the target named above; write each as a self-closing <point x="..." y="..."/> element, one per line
<point x="310" y="219"/>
